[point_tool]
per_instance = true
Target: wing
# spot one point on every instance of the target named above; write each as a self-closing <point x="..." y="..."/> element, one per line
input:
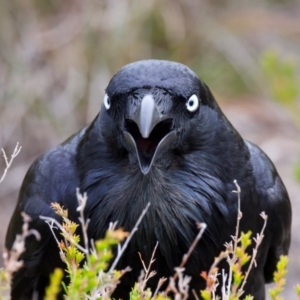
<point x="51" y="178"/>
<point x="277" y="206"/>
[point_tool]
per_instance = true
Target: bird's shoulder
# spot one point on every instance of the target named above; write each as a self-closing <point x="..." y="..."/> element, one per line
<point x="266" y="176"/>
<point x="268" y="183"/>
<point x="51" y="177"/>
<point x="276" y="203"/>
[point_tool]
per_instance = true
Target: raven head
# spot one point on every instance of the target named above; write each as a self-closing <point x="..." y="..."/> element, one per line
<point x="152" y="106"/>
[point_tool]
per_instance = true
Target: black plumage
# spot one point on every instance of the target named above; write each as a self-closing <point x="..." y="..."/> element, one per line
<point x="160" y="137"/>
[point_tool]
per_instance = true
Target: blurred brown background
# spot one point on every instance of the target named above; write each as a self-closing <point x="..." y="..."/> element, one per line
<point x="56" y="58"/>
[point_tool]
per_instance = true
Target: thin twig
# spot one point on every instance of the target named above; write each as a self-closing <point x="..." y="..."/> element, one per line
<point x="195" y="295"/>
<point x="123" y="248"/>
<point x="160" y="283"/>
<point x="11" y="258"/>
<point x="202" y="227"/>
<point x="213" y="272"/>
<point x="147" y="275"/>
<point x="51" y="226"/>
<point x="223" y="289"/>
<point x="217" y="260"/>
<point x="235" y="240"/>
<point x="111" y="281"/>
<point x="147" y="270"/>
<point x="82" y="199"/>
<point x="258" y="241"/>
<point x="8" y="163"/>
<point x="50" y="221"/>
<point x="240" y="215"/>
<point x="183" y="284"/>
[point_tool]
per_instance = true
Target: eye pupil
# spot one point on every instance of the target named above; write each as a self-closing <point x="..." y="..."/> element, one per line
<point x="106" y="101"/>
<point x="193" y="103"/>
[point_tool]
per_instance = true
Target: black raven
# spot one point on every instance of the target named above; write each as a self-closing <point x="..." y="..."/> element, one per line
<point x="160" y="137"/>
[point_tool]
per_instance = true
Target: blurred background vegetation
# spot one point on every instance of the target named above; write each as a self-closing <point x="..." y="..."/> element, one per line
<point x="56" y="58"/>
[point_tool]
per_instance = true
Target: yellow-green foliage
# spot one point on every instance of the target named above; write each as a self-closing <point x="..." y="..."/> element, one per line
<point x="282" y="79"/>
<point x="55" y="285"/>
<point x="242" y="258"/>
<point x="297" y="288"/>
<point x="4" y="285"/>
<point x="90" y="277"/>
<point x="135" y="294"/>
<point x="279" y="278"/>
<point x="284" y="85"/>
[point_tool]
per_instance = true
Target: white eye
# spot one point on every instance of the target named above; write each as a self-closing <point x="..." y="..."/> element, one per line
<point x="193" y="103"/>
<point x="106" y="102"/>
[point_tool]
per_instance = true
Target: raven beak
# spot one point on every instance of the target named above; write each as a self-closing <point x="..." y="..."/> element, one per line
<point x="148" y="116"/>
<point x="148" y="133"/>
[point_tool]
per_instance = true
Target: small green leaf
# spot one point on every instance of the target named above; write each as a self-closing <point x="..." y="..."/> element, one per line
<point x="205" y="294"/>
<point x="246" y="239"/>
<point x="55" y="285"/>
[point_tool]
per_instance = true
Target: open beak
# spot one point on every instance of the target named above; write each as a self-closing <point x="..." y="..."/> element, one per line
<point x="148" y="133"/>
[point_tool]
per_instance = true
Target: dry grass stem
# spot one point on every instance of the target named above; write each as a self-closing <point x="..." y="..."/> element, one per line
<point x="212" y="275"/>
<point x="195" y="295"/>
<point x="258" y="240"/>
<point x="51" y="222"/>
<point x="11" y="258"/>
<point x="232" y="249"/>
<point x="202" y="227"/>
<point x="183" y="284"/>
<point x="123" y="248"/>
<point x="223" y="289"/>
<point x="159" y="285"/>
<point x="82" y="199"/>
<point x="9" y="162"/>
<point x="146" y="275"/>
